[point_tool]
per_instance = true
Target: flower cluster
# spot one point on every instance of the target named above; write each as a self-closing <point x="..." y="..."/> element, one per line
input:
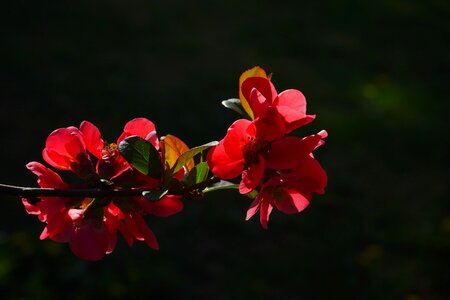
<point x="90" y="225"/>
<point x="117" y="184"/>
<point x="281" y="168"/>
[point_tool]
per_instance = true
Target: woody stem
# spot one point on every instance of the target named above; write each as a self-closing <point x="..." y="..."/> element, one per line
<point x="50" y="192"/>
<point x="25" y="192"/>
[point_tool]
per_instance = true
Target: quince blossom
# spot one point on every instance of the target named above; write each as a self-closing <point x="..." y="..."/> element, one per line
<point x="259" y="150"/>
<point x="258" y="94"/>
<point x="90" y="225"/>
<point x="290" y="190"/>
<point x="242" y="148"/>
<point x="277" y="171"/>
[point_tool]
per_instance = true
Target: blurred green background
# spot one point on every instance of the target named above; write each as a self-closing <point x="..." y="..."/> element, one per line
<point x="375" y="73"/>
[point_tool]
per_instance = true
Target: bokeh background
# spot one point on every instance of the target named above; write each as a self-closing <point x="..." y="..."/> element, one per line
<point x="375" y="73"/>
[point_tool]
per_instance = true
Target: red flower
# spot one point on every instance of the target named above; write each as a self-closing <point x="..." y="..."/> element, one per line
<point x="112" y="166"/>
<point x="290" y="191"/>
<point x="65" y="149"/>
<point x="260" y="150"/>
<point x="259" y="97"/>
<point x="90" y="233"/>
<point x="110" y="162"/>
<point x="90" y="225"/>
<point x="242" y="148"/>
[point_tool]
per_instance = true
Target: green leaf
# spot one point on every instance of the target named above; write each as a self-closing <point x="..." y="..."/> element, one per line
<point x="142" y="155"/>
<point x="198" y="174"/>
<point x="235" y="104"/>
<point x="226" y="185"/>
<point x="155" y="195"/>
<point x="221" y="185"/>
<point x="252" y="195"/>
<point x="186" y="156"/>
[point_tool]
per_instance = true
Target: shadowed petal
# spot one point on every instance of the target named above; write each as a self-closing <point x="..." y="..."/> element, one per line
<point x="315" y="140"/>
<point x="287" y="153"/>
<point x="258" y="102"/>
<point x="292" y="201"/>
<point x="147" y="234"/>
<point x="46" y="177"/>
<point x="244" y="92"/>
<point x="252" y="176"/>
<point x="92" y="138"/>
<point x="167" y="206"/>
<point x="89" y="241"/>
<point x="264" y="213"/>
<point x="269" y="126"/>
<point x="254" y="207"/>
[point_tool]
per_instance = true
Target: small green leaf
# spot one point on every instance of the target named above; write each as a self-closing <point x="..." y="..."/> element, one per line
<point x="235" y="104"/>
<point x="252" y="195"/>
<point x="226" y="185"/>
<point x="198" y="174"/>
<point x="142" y="155"/>
<point x="155" y="195"/>
<point x="221" y="185"/>
<point x="186" y="156"/>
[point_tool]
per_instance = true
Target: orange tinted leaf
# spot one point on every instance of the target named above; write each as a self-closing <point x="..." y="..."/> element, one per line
<point x="173" y="148"/>
<point x="253" y="72"/>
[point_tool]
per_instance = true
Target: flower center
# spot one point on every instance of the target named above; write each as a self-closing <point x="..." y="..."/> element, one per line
<point x="111" y="162"/>
<point x="109" y="148"/>
<point x="253" y="148"/>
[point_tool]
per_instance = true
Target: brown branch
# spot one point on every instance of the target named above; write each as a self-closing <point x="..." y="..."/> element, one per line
<point x="49" y="192"/>
<point x="94" y="192"/>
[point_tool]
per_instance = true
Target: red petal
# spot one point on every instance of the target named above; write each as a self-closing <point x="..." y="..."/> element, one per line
<point x="254" y="72"/>
<point x="147" y="234"/>
<point x="258" y="103"/>
<point x="31" y="208"/>
<point x="167" y="206"/>
<point x="270" y="126"/>
<point x="65" y="149"/>
<point x="46" y="177"/>
<point x="292" y="99"/>
<point x="60" y="227"/>
<point x="266" y="209"/>
<point x="252" y="176"/>
<point x="111" y="224"/>
<point x="222" y="165"/>
<point x="286" y="153"/>
<point x="263" y="85"/>
<point x="141" y="127"/>
<point x="237" y="136"/>
<point x="115" y="211"/>
<point x="44" y="234"/>
<point x="139" y="229"/>
<point x="315" y="140"/>
<point x="92" y="138"/>
<point x="52" y="207"/>
<point x="292" y="201"/>
<point x="312" y="176"/>
<point x="291" y="104"/>
<point x="90" y="242"/>
<point x="254" y="207"/>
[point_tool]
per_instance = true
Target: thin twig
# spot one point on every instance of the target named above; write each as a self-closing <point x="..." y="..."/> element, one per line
<point x="25" y="192"/>
<point x="49" y="192"/>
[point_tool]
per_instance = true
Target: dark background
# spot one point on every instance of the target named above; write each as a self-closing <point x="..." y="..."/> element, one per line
<point x="375" y="73"/>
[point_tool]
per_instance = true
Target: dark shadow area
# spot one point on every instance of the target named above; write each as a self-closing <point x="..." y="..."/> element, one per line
<point x="377" y="76"/>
